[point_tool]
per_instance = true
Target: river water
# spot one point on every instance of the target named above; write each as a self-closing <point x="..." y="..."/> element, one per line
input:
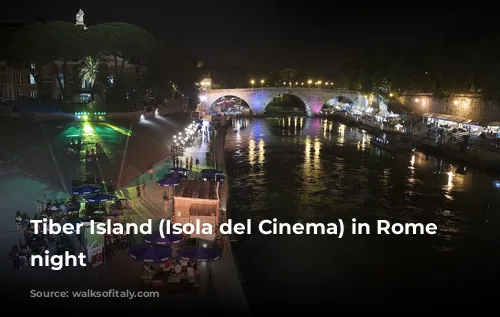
<point x="314" y="170"/>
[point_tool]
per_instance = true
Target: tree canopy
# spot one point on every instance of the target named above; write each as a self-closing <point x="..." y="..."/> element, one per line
<point x="59" y="41"/>
<point x="464" y="61"/>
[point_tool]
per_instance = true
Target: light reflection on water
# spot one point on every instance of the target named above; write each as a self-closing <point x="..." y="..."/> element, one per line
<point x="315" y="170"/>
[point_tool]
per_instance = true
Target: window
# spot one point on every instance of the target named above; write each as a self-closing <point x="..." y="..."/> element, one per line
<point x="32" y="80"/>
<point x="61" y="79"/>
<point x="86" y="84"/>
<point x="84" y="98"/>
<point x="33" y="95"/>
<point x="111" y="80"/>
<point x="18" y="78"/>
<point x="33" y="66"/>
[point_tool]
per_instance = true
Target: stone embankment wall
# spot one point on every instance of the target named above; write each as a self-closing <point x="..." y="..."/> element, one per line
<point x="469" y="106"/>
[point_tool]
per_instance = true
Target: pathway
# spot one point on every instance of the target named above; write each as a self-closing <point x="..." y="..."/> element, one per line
<point x="122" y="272"/>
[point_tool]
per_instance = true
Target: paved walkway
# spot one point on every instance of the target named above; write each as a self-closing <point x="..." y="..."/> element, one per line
<point x="122" y="272"/>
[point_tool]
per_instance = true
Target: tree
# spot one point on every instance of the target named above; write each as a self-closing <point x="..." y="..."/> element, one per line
<point x="123" y="40"/>
<point x="54" y="43"/>
<point x="90" y="70"/>
<point x="27" y="44"/>
<point x="185" y="71"/>
<point x="64" y="42"/>
<point x="159" y="75"/>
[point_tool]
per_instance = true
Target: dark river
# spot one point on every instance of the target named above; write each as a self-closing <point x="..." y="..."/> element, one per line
<point x="313" y="170"/>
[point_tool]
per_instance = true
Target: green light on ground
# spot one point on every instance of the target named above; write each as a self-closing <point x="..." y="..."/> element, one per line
<point x="88" y="130"/>
<point x="85" y="117"/>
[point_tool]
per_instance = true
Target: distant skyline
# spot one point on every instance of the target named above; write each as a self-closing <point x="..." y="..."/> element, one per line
<point x="263" y="36"/>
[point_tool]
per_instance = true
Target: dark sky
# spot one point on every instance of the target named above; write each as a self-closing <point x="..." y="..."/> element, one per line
<point x="266" y="35"/>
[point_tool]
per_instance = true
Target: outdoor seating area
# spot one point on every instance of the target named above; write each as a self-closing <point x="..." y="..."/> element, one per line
<point x="164" y="262"/>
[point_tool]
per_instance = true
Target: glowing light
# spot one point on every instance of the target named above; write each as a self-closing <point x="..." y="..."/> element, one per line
<point x="341" y="132"/>
<point x="449" y="186"/>
<point x="417" y="100"/>
<point x="262" y="151"/>
<point x="251" y="152"/>
<point x="252" y="81"/>
<point x="88" y="130"/>
<point x="391" y="95"/>
<point x="119" y="129"/>
<point x="455" y="102"/>
<point x="309" y="81"/>
<point x="412" y="161"/>
<point x="142" y="117"/>
<point x="203" y="98"/>
<point x="85" y="117"/>
<point x="262" y="81"/>
<point x="302" y="84"/>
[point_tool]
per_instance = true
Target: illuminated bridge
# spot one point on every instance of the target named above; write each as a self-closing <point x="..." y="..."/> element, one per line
<point x="259" y="98"/>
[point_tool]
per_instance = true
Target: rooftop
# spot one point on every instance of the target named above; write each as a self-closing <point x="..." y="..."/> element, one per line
<point x="197" y="189"/>
<point x="203" y="210"/>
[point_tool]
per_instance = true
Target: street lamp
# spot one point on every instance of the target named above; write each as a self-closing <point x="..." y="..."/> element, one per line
<point x="262" y="83"/>
<point x="309" y="82"/>
<point x="284" y="83"/>
<point x="319" y="84"/>
<point x="391" y="95"/>
<point x="252" y="82"/>
<point x="302" y="84"/>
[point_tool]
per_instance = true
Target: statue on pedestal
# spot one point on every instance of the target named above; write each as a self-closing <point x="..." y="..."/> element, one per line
<point x="79" y="18"/>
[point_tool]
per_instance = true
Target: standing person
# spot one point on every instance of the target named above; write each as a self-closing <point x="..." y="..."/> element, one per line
<point x="138" y="191"/>
<point x="191" y="163"/>
<point x="144" y="188"/>
<point x="187" y="162"/>
<point x="151" y="172"/>
<point x="197" y="162"/>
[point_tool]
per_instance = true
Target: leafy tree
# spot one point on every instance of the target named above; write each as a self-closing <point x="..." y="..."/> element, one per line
<point x="186" y="73"/>
<point x="90" y="71"/>
<point x="27" y="44"/>
<point x="120" y="39"/>
<point x="64" y="41"/>
<point x="159" y="75"/>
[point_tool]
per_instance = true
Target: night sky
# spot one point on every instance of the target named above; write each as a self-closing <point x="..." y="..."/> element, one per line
<point x="267" y="35"/>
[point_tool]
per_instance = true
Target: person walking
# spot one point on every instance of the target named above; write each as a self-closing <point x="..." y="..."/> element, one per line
<point x="151" y="172"/>
<point x="197" y="162"/>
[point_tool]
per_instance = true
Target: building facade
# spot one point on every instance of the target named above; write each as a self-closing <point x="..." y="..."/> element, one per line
<point x="28" y="81"/>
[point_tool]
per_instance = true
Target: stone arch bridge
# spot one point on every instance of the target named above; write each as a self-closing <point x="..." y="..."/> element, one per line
<point x="259" y="98"/>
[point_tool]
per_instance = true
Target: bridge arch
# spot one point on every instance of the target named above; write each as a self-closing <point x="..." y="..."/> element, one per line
<point x="338" y="103"/>
<point x="228" y="104"/>
<point x="295" y="104"/>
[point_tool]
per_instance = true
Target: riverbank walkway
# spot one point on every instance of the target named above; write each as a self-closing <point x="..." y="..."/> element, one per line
<point x="20" y="192"/>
